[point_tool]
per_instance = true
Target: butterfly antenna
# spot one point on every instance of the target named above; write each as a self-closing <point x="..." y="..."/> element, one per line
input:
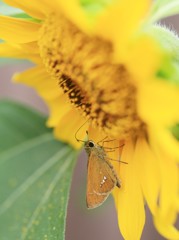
<point x="79" y="140"/>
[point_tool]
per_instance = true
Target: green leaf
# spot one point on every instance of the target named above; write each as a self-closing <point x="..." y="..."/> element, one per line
<point x="163" y="8"/>
<point x="35" y="176"/>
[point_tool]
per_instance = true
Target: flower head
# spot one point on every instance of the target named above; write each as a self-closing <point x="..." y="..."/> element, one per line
<point x="103" y="63"/>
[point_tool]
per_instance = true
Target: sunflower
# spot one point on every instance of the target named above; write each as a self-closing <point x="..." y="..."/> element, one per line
<point x="104" y="64"/>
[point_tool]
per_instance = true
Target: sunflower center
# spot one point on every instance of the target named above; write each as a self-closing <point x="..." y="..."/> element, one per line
<point x="82" y="65"/>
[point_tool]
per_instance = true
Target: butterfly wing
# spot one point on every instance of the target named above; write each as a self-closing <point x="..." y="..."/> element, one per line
<point x="101" y="179"/>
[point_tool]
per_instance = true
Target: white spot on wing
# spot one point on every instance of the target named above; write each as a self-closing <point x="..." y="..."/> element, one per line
<point x="103" y="181"/>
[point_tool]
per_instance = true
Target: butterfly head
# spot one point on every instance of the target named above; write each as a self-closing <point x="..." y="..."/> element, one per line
<point x="89" y="146"/>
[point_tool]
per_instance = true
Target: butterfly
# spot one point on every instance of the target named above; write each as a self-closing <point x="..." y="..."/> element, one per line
<point x="101" y="176"/>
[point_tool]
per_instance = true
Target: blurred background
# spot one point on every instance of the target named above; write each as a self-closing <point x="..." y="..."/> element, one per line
<point x="100" y="223"/>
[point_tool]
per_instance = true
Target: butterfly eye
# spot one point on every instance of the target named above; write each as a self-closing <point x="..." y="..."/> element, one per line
<point x="91" y="144"/>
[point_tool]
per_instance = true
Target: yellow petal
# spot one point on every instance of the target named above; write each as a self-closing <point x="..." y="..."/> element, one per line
<point x="48" y="89"/>
<point x="16" y="51"/>
<point x="39" y="79"/>
<point x="158" y="102"/>
<point x="119" y="21"/>
<point x="169" y="231"/>
<point x="169" y="186"/>
<point x="148" y="172"/>
<point x="34" y="8"/>
<point x="18" y="30"/>
<point x="129" y="199"/>
<point x="31" y="47"/>
<point x="143" y="66"/>
<point x="162" y="138"/>
<point x="73" y="11"/>
<point x="69" y="126"/>
<point x="168" y="206"/>
<point x="65" y="120"/>
<point x="58" y="108"/>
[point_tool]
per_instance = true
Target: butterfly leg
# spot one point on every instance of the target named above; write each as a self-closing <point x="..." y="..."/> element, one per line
<point x="116" y="160"/>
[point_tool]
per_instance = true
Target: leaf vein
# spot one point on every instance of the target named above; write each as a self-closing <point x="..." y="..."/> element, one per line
<point x="26" y="145"/>
<point x="46" y="195"/>
<point x="29" y="181"/>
